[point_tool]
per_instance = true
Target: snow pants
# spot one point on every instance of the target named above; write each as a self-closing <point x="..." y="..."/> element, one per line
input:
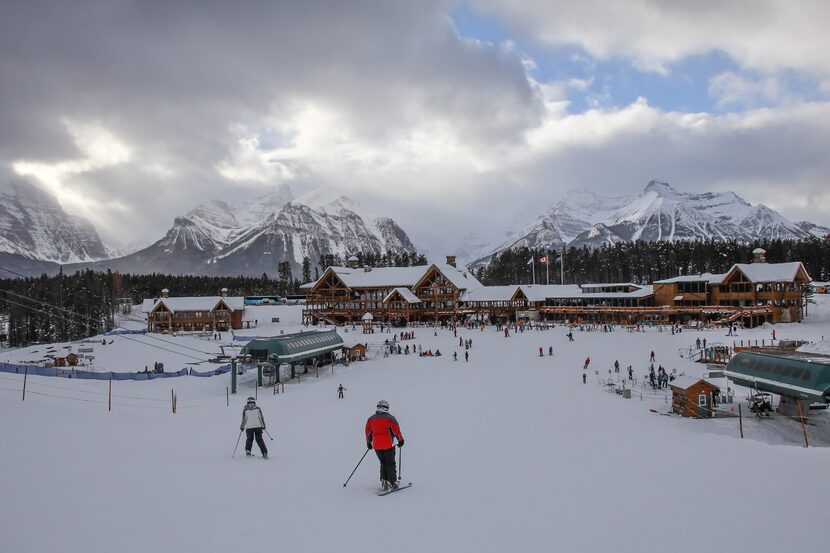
<point x="249" y="441"/>
<point x="387" y="464"/>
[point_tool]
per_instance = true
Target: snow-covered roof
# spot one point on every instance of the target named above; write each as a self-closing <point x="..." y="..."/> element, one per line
<point x="368" y="316"/>
<point x="194" y="303"/>
<point x="704" y="277"/>
<point x="490" y="293"/>
<point x="386" y="277"/>
<point x="379" y="277"/>
<point x="608" y="285"/>
<point x="460" y="276"/>
<point x="405" y="293"/>
<point x="686" y="382"/>
<point x="541" y="292"/>
<point x="770" y="272"/>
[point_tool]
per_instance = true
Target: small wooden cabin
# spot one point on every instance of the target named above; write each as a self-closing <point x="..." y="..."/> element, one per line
<point x="356" y="352"/>
<point x="70" y="360"/>
<point x="693" y="397"/>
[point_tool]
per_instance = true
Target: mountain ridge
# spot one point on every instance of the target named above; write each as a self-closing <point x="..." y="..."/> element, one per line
<point x="660" y="212"/>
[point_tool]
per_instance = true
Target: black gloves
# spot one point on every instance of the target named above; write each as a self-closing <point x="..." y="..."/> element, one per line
<point x="400" y="443"/>
<point x="369" y="445"/>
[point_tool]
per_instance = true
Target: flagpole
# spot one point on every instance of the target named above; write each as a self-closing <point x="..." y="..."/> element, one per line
<point x="533" y="268"/>
<point x="562" y="265"/>
<point x="547" y="268"/>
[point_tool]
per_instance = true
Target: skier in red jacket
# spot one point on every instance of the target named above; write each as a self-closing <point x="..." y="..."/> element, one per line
<point x="381" y="429"/>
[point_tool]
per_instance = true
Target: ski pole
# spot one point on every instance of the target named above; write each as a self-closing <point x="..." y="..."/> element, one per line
<point x="355" y="468"/>
<point x="237" y="444"/>
<point x="400" y="463"/>
<point x="269" y="434"/>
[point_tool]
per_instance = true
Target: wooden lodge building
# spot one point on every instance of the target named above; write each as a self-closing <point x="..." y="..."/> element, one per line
<point x="396" y="295"/>
<point x="750" y="293"/>
<point x="220" y="313"/>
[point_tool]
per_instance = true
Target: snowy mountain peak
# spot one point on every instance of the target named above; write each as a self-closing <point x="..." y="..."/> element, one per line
<point x="216" y="213"/>
<point x="659" y="212"/>
<point x="264" y="206"/>
<point x="34" y="225"/>
<point x="254" y="238"/>
<point x="660" y="188"/>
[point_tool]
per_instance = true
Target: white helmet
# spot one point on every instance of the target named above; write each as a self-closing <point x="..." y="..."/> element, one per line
<point x="383" y="406"/>
<point x="251" y="400"/>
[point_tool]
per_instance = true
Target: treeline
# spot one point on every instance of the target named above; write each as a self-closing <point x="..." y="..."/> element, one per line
<point x="644" y="262"/>
<point x="65" y="307"/>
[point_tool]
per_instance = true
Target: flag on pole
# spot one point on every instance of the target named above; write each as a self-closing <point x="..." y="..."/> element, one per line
<point x="530" y="261"/>
<point x="543" y="260"/>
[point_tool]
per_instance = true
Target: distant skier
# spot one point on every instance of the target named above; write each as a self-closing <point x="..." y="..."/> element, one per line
<point x="340" y="390"/>
<point x="550" y="351"/>
<point x="381" y="429"/>
<point x="617" y="366"/>
<point x="466" y="356"/>
<point x="651" y="356"/>
<point x="630" y="373"/>
<point x="587" y="362"/>
<point x="570" y="336"/>
<point x="541" y="352"/>
<point x="584" y="377"/>
<point x="455" y="356"/>
<point x="253" y="423"/>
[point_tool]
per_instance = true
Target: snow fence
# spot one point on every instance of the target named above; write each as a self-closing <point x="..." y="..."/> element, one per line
<point x="89" y="375"/>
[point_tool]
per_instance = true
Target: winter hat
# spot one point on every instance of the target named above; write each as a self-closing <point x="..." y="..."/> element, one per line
<point x="383" y="406"/>
<point x="251" y="400"/>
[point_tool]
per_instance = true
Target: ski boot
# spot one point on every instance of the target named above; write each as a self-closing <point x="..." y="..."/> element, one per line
<point x="393" y="485"/>
<point x="385" y="485"/>
<point x="248" y="453"/>
<point x="265" y="455"/>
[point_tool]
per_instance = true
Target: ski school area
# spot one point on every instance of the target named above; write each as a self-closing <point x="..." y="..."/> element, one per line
<point x="507" y="450"/>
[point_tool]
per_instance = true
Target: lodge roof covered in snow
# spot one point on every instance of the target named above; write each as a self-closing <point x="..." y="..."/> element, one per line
<point x="194" y="303"/>
<point x="398" y="277"/>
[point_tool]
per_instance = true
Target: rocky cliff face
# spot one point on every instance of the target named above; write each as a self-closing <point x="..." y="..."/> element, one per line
<point x="34" y="226"/>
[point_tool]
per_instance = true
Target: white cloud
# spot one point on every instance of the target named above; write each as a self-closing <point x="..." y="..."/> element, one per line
<point x="765" y="35"/>
<point x="731" y="89"/>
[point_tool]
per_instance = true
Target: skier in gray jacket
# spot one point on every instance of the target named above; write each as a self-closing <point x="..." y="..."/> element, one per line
<point x="253" y="423"/>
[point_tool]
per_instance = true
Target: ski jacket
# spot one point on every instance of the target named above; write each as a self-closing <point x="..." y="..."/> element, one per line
<point x="380" y="429"/>
<point x="252" y="418"/>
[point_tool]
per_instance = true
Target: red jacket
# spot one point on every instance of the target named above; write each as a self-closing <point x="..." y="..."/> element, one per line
<point x="380" y="428"/>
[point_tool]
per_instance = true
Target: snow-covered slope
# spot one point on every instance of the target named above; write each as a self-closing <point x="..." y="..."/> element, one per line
<point x="660" y="212"/>
<point x="34" y="225"/>
<point x="508" y="452"/>
<point x="252" y="239"/>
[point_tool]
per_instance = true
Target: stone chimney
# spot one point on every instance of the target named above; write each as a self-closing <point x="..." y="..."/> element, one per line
<point x="451" y="260"/>
<point x="165" y="292"/>
<point x="353" y="262"/>
<point x="759" y="255"/>
<point x="224" y="292"/>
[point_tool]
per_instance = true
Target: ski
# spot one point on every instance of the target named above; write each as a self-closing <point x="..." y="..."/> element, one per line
<point x="399" y="488"/>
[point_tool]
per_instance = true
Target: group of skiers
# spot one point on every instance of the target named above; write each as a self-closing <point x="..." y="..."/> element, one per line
<point x="382" y="429"/>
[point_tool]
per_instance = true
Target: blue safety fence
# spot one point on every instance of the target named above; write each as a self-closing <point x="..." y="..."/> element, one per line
<point x="89" y="375"/>
<point x="224" y="369"/>
<point x="120" y="331"/>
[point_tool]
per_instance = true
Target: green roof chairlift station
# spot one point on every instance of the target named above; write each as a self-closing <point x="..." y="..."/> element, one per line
<point x="292" y="349"/>
<point x="796" y="376"/>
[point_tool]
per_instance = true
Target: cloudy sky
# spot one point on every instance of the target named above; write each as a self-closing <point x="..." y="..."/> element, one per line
<point x="451" y="117"/>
